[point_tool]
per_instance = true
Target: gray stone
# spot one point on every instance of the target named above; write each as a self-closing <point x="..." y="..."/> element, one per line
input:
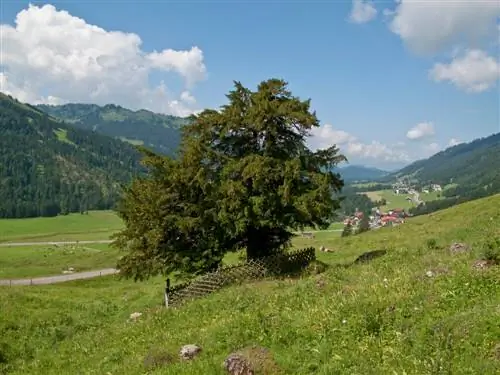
<point x="189" y="351"/>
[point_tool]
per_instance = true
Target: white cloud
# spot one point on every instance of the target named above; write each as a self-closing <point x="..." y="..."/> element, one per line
<point x="431" y="149"/>
<point x="52" y="52"/>
<point x="430" y="26"/>
<point x="362" y="11"/>
<point x="352" y="147"/>
<point x="454" y="142"/>
<point x="474" y="71"/>
<point x="422" y="130"/>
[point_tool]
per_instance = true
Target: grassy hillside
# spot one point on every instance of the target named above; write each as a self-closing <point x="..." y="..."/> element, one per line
<point x="156" y="131"/>
<point x="49" y="167"/>
<point x="420" y="309"/>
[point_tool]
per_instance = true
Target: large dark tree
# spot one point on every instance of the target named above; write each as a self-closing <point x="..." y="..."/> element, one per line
<point x="244" y="179"/>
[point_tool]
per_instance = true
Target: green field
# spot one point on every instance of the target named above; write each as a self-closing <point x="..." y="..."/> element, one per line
<point x="97" y="225"/>
<point x="23" y="262"/>
<point x="398" y="201"/>
<point x="384" y="317"/>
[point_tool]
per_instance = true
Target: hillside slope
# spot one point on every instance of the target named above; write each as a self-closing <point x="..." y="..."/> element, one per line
<point x="420" y="309"/>
<point x="156" y="131"/>
<point x="49" y="167"/>
<point x="475" y="164"/>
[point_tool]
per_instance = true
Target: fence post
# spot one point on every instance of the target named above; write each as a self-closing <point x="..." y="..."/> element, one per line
<point x="167" y="292"/>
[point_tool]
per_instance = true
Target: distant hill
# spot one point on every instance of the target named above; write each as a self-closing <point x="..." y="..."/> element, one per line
<point x="473" y="163"/>
<point x="48" y="167"/>
<point x="359" y="173"/>
<point x="156" y="131"/>
<point x="466" y="171"/>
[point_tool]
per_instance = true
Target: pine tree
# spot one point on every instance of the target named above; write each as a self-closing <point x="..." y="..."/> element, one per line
<point x="244" y="178"/>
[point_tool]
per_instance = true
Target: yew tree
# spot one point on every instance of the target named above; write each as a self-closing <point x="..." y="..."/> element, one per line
<point x="244" y="178"/>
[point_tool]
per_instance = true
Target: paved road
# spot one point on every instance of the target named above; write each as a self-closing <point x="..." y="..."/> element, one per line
<point x="60" y="278"/>
<point x="80" y="275"/>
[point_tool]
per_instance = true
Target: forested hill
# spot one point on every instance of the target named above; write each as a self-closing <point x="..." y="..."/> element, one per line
<point x="49" y="167"/>
<point x="471" y="164"/>
<point x="466" y="171"/>
<point x="156" y="131"/>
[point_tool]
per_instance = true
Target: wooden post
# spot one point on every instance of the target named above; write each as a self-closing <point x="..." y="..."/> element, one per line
<point x="167" y="292"/>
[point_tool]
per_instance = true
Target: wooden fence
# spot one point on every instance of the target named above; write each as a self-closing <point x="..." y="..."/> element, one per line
<point x="278" y="265"/>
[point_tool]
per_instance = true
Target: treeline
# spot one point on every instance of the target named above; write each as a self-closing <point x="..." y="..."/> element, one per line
<point x="352" y="202"/>
<point x="459" y="194"/>
<point x="49" y="168"/>
<point x="349" y="189"/>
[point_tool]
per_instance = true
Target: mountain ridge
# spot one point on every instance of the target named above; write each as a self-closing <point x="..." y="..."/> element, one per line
<point x="156" y="131"/>
<point x="50" y="167"/>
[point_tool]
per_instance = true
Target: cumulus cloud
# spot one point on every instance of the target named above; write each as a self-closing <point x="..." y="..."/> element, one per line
<point x="422" y="130"/>
<point x="352" y="147"/>
<point x="51" y="51"/>
<point x="454" y="142"/>
<point x="430" y="26"/>
<point x="362" y="11"/>
<point x="431" y="149"/>
<point x="473" y="71"/>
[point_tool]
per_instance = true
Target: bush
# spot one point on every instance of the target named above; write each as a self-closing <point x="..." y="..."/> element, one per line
<point x="432" y="244"/>
<point x="491" y="250"/>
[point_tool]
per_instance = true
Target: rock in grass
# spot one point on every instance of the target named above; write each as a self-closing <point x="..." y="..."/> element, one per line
<point x="250" y="361"/>
<point x="458" y="247"/>
<point x="236" y="364"/>
<point x="189" y="351"/>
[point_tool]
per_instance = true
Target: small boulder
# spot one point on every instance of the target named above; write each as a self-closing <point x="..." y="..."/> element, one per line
<point x="134" y="316"/>
<point x="458" y="248"/>
<point x="189" y="351"/>
<point x="251" y="360"/>
<point x="236" y="364"/>
<point x="481" y="264"/>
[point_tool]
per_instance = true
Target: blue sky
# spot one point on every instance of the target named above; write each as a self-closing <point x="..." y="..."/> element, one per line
<point x="391" y="82"/>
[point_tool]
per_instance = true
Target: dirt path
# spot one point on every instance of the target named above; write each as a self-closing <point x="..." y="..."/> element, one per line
<point x="59" y="278"/>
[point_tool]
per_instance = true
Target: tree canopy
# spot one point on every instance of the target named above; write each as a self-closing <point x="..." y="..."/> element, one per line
<point x="244" y="179"/>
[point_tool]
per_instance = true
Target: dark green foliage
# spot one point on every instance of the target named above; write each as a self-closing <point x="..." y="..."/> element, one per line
<point x="364" y="223"/>
<point x="244" y="178"/>
<point x="49" y="168"/>
<point x="491" y="250"/>
<point x="347" y="231"/>
<point x="159" y="132"/>
<point x="350" y="189"/>
<point x="352" y="202"/>
<point x="432" y="244"/>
